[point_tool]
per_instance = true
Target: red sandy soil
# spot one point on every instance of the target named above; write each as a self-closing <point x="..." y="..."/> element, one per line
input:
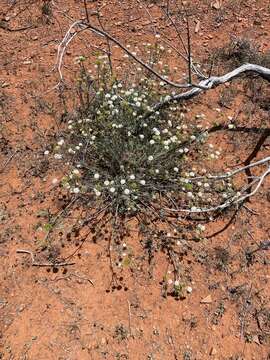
<point x="60" y="315"/>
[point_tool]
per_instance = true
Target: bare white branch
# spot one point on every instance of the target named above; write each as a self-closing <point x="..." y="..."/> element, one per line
<point x="231" y="173"/>
<point x="238" y="198"/>
<point x="214" y="81"/>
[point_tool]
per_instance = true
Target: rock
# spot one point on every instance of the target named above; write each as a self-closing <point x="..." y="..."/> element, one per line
<point x="216" y="4"/>
<point x="189" y="289"/>
<point x="207" y="300"/>
<point x="213" y="351"/>
<point x="197" y="26"/>
<point x="255" y="339"/>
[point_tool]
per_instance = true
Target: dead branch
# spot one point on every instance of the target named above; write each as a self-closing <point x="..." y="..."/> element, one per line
<point x="82" y="26"/>
<point x="235" y="200"/>
<point x="34" y="263"/>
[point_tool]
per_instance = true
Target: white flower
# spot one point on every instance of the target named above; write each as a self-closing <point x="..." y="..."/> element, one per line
<point x="61" y="142"/>
<point x="192" y="137"/>
<point x="76" y="172"/>
<point x="156" y="131"/>
<point x="76" y="190"/>
<point x="97" y="193"/>
<point x="189" y="194"/>
<point x="46" y="152"/>
<point x="157" y="171"/>
<point x="54" y="181"/>
<point x="200" y="227"/>
<point x="106" y="183"/>
<point x="175" y="169"/>
<point x="186" y="150"/>
<point x="142" y="182"/>
<point x="112" y="189"/>
<point x="96" y="176"/>
<point x="170" y="281"/>
<point x="141" y="136"/>
<point x="132" y="177"/>
<point x="176" y="283"/>
<point x="122" y="181"/>
<point x="231" y="126"/>
<point x="126" y="191"/>
<point x="150" y="158"/>
<point x="58" y="156"/>
<point x="152" y="142"/>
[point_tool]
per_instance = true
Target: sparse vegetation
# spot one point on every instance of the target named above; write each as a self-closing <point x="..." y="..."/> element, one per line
<point x="134" y="180"/>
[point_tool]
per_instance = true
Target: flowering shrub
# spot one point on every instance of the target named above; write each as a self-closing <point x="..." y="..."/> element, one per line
<point x="120" y="154"/>
<point x="127" y="161"/>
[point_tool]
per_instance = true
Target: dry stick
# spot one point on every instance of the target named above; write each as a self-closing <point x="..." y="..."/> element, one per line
<point x="8" y="161"/>
<point x="84" y="26"/>
<point x="187" y="58"/>
<point x="109" y="52"/>
<point x="177" y="31"/>
<point x="129" y="318"/>
<point x="166" y="41"/>
<point x="245" y="309"/>
<point x="205" y="84"/>
<point x="233" y="201"/>
<point x="34" y="263"/>
<point x="189" y="50"/>
<point x="86" y="11"/>
<point x="232" y="173"/>
<point x="213" y="82"/>
<point x="254" y="153"/>
<point x="82" y="278"/>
